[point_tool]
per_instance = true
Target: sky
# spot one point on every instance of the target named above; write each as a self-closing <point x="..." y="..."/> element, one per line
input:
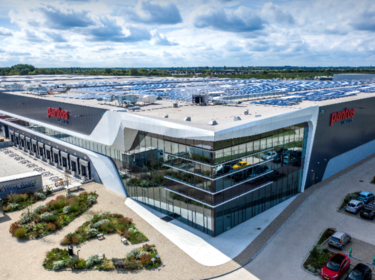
<point x="174" y="33"/>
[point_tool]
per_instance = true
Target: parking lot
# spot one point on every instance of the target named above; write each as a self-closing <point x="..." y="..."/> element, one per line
<point x="14" y="161"/>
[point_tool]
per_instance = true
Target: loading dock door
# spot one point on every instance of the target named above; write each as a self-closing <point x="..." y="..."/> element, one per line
<point x="74" y="167"/>
<point x="85" y="168"/>
<point x="28" y="144"/>
<point x="48" y="153"/>
<point x="56" y="157"/>
<point x="33" y="146"/>
<point x="41" y="149"/>
<point x="64" y="160"/>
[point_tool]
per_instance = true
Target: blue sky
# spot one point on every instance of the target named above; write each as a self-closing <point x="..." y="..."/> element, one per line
<point x="145" y="33"/>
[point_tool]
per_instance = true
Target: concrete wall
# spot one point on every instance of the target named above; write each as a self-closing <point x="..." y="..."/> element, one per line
<point x="21" y="185"/>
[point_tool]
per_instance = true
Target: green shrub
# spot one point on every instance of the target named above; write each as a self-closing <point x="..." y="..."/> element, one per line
<point x="103" y="213"/>
<point x="92" y="231"/>
<point x="69" y="195"/>
<point x="97" y="224"/>
<point x="20" y="232"/>
<point x="40" y="195"/>
<point x="81" y="264"/>
<point x="91" y="198"/>
<point x="92" y="260"/>
<point x="38" y="208"/>
<point x="134" y="253"/>
<point x="13" y="206"/>
<point x="26" y="217"/>
<point x="66" y="210"/>
<point x="132" y="264"/>
<point x="48" y="217"/>
<point x="72" y="262"/>
<point x="58" y="265"/>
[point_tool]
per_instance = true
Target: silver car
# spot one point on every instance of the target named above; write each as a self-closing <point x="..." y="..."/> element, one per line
<point x="354" y="206"/>
<point x="339" y="239"/>
<point x="269" y="155"/>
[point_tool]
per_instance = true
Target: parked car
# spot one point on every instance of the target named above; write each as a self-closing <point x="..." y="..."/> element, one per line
<point x="240" y="164"/>
<point x="366" y="197"/>
<point x="295" y="154"/>
<point x="286" y="159"/>
<point x="339" y="239"/>
<point x="354" y="206"/>
<point x="297" y="162"/>
<point x="368" y="211"/>
<point x="336" y="267"/>
<point x="360" y="272"/>
<point x="282" y="151"/>
<point x="269" y="155"/>
<point x="222" y="169"/>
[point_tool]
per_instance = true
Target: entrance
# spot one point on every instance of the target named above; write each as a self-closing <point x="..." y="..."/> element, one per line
<point x="227" y="222"/>
<point x="170" y="208"/>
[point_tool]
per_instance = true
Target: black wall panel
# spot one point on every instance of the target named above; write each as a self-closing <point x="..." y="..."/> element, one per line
<point x="82" y="119"/>
<point x="341" y="137"/>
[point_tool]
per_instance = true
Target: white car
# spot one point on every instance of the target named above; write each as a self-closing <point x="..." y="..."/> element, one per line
<point x="269" y="155"/>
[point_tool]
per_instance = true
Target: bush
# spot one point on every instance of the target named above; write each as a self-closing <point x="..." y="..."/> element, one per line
<point x="20" y="232"/>
<point x="48" y="217"/>
<point x="75" y="239"/>
<point x="91" y="198"/>
<point x="40" y="195"/>
<point x="103" y="213"/>
<point x="81" y="264"/>
<point x="92" y="260"/>
<point x="145" y="259"/>
<point x="97" y="224"/>
<point x="51" y="227"/>
<point x="72" y="262"/>
<point x="13" y="206"/>
<point x="132" y="264"/>
<point x="13" y="227"/>
<point x="148" y="248"/>
<point x="134" y="253"/>
<point x="69" y="195"/>
<point x="66" y="210"/>
<point x="38" y="208"/>
<point x="58" y="265"/>
<point x="92" y="231"/>
<point x="26" y="217"/>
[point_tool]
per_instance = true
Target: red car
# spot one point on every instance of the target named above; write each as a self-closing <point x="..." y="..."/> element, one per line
<point x="335" y="267"/>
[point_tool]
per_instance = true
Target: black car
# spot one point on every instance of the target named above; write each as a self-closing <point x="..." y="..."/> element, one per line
<point x="282" y="151"/>
<point x="360" y="272"/>
<point x="297" y="162"/>
<point x="368" y="211"/>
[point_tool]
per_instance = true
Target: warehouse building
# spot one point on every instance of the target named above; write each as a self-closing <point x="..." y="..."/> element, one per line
<point x="209" y="166"/>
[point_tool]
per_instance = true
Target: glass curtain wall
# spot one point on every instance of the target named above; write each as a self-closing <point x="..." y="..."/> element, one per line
<point x="211" y="186"/>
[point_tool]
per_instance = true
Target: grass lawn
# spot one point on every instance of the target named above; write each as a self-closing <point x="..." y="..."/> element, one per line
<point x="105" y="223"/>
<point x="138" y="258"/>
<point x="45" y="219"/>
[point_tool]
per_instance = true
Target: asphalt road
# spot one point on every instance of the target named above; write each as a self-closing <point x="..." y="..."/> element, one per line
<point x="283" y="256"/>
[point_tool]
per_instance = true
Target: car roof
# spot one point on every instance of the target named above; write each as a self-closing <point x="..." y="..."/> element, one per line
<point x="361" y="266"/>
<point x="338" y="257"/>
<point x="355" y="201"/>
<point x="364" y="193"/>
<point x="370" y="206"/>
<point x="338" y="234"/>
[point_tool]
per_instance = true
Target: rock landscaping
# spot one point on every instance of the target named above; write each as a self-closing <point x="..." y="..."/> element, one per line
<point x="145" y="257"/>
<point x="45" y="219"/>
<point x="105" y="223"/>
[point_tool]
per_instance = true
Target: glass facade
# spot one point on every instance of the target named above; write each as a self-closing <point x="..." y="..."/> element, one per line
<point x="211" y="186"/>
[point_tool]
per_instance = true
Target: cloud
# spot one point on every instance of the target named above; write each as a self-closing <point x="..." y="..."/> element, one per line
<point x="56" y="37"/>
<point x="241" y="20"/>
<point x="365" y="21"/>
<point x="231" y="47"/>
<point x="65" y="19"/>
<point x="5" y="32"/>
<point x="65" y="47"/>
<point x="149" y="13"/>
<point x="160" y="39"/>
<point x="31" y="36"/>
<point x="18" y="53"/>
<point x="111" y="31"/>
<point x="275" y="14"/>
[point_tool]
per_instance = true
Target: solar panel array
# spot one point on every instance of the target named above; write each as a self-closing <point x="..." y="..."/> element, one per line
<point x="183" y="89"/>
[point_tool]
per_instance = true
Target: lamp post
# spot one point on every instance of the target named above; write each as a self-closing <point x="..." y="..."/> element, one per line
<point x="78" y="253"/>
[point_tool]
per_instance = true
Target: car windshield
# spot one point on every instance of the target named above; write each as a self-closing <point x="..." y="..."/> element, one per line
<point x="351" y="205"/>
<point x="355" y="275"/>
<point x="369" y="207"/>
<point x="332" y="265"/>
<point x="361" y="195"/>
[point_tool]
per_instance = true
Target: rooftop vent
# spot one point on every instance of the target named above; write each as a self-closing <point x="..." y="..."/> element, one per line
<point x="166" y="116"/>
<point x="246" y="112"/>
<point x="212" y="123"/>
<point x="175" y="105"/>
<point x="237" y="119"/>
<point x="187" y="119"/>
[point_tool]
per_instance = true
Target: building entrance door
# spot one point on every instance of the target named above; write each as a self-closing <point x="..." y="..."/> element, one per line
<point x="205" y="224"/>
<point x="227" y="222"/>
<point x="170" y="209"/>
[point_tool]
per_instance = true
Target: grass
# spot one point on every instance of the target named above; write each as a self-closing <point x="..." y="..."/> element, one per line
<point x="105" y="223"/>
<point x="15" y="202"/>
<point x="137" y="258"/>
<point x="347" y="198"/>
<point x="45" y="219"/>
<point x="327" y="233"/>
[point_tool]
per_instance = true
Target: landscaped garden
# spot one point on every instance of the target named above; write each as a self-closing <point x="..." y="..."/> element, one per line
<point x="105" y="223"/>
<point x="14" y="202"/>
<point x="319" y="255"/>
<point x="45" y="219"/>
<point x="348" y="198"/>
<point x="138" y="258"/>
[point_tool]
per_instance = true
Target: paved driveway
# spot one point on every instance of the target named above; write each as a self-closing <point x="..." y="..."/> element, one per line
<point x="283" y="256"/>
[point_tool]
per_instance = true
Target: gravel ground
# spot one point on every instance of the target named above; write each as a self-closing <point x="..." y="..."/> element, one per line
<point x="16" y="256"/>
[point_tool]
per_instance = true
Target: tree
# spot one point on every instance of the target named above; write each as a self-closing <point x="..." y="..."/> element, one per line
<point x="25" y="71"/>
<point x="108" y="71"/>
<point x="225" y="68"/>
<point x="134" y="72"/>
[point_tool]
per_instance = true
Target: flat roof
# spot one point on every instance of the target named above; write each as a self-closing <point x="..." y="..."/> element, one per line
<point x="222" y="114"/>
<point x="19" y="176"/>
